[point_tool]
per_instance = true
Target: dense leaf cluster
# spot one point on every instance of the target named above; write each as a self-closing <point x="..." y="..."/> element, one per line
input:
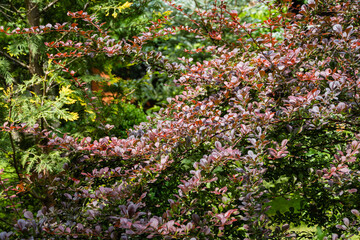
<point x="272" y="115"/>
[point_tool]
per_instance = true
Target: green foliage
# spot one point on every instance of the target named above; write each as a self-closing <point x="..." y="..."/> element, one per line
<point x="17" y="48"/>
<point x="62" y="105"/>
<point x="51" y="162"/>
<point x="28" y="107"/>
<point x="115" y="9"/>
<point x="53" y="99"/>
<point x="4" y="71"/>
<point x="255" y="12"/>
<point x="261" y="121"/>
<point x="120" y="116"/>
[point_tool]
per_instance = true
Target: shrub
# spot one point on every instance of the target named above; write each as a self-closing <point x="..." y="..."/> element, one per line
<point x="273" y="114"/>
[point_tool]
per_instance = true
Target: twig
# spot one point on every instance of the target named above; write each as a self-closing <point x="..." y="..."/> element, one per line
<point x="86" y="5"/>
<point x="10" y="199"/>
<point x="14" y="59"/>
<point x="14" y="156"/>
<point x="2" y="149"/>
<point x="13" y="147"/>
<point x="16" y="10"/>
<point x="5" y="15"/>
<point x="48" y="6"/>
<point x="6" y="222"/>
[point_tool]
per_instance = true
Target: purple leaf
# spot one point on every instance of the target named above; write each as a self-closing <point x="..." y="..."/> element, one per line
<point x="61" y="228"/>
<point x="342" y="227"/>
<point x="355" y="212"/>
<point x="131" y="210"/>
<point x="68" y="196"/>
<point x="285" y="227"/>
<point x="218" y="145"/>
<point x="195" y="218"/>
<point x="154" y="223"/>
<point x="21" y="224"/>
<point x="28" y="215"/>
<point x="337" y="28"/>
<point x="80" y="227"/>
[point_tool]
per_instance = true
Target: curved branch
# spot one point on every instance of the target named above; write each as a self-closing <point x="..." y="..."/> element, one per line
<point x="48" y="6"/>
<point x="14" y="59"/>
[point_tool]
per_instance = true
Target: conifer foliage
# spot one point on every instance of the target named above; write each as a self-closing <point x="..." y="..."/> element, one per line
<point x="273" y="114"/>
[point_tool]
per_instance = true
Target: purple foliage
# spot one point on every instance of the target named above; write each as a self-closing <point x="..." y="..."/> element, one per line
<point x="238" y="119"/>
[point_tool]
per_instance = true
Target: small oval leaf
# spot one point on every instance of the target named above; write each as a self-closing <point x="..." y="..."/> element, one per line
<point x="28" y="215"/>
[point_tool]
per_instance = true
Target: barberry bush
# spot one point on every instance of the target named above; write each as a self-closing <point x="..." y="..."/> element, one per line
<point x="272" y="115"/>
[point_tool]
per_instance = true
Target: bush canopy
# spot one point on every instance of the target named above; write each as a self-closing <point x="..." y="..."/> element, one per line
<point x="262" y="137"/>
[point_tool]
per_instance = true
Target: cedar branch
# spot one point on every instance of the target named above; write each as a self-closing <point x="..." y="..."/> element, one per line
<point x="14" y="59"/>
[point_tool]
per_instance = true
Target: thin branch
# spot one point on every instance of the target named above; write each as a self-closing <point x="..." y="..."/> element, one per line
<point x="14" y="59"/>
<point x="86" y="5"/>
<point x="13" y="147"/>
<point x="17" y="11"/>
<point x="3" y="150"/>
<point x="60" y="39"/>
<point x="6" y="222"/>
<point x="48" y="6"/>
<point x="9" y="198"/>
<point x="14" y="157"/>
<point x="5" y="15"/>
